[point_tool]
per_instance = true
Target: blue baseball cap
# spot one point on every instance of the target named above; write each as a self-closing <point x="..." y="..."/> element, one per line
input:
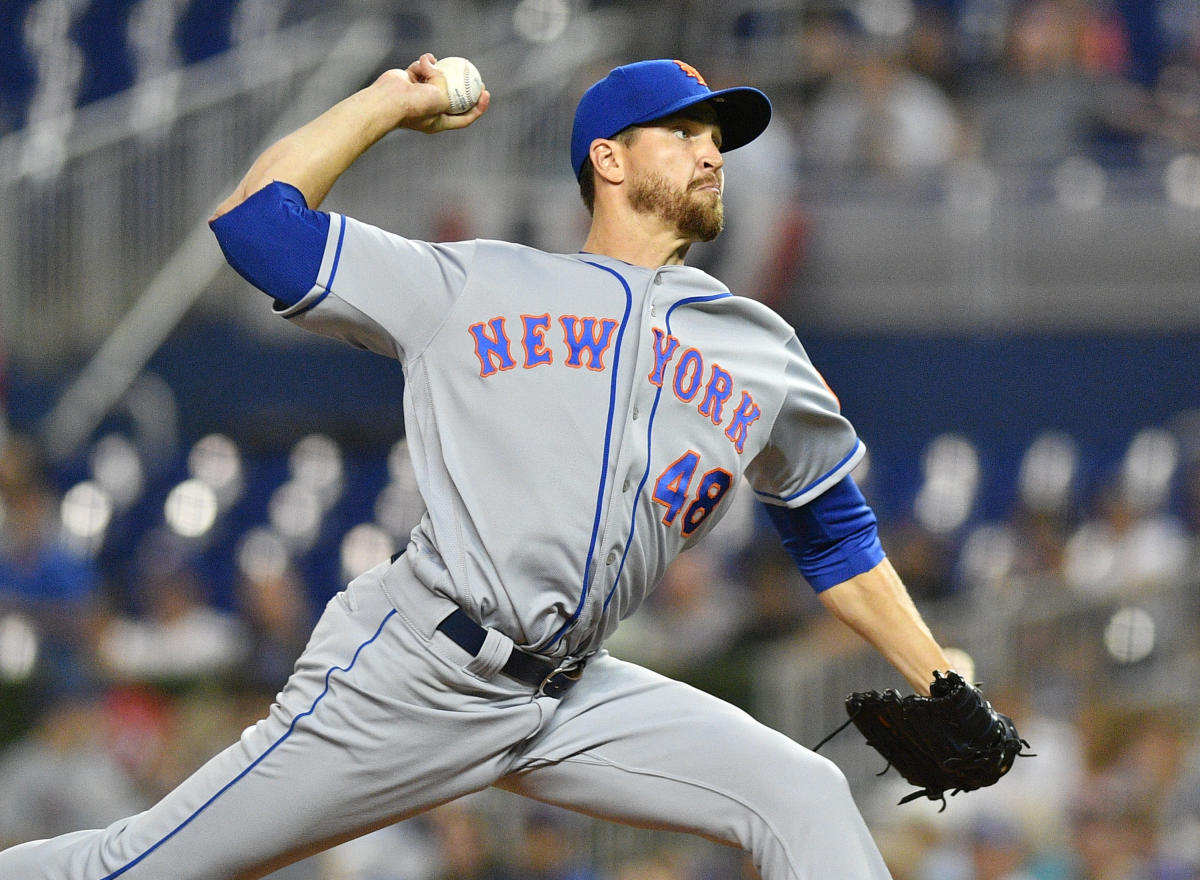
<point x="647" y="90"/>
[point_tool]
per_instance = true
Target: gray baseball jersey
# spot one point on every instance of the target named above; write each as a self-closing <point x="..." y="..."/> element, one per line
<point x="575" y="421"/>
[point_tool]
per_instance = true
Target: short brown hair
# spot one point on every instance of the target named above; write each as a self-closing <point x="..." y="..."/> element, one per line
<point x="587" y="172"/>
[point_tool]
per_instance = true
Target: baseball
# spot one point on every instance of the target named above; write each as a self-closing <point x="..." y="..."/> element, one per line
<point x="463" y="83"/>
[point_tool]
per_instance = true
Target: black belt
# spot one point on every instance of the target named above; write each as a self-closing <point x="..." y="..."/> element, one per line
<point x="551" y="680"/>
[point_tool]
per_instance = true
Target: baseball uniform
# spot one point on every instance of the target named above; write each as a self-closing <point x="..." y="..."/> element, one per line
<point x="575" y="422"/>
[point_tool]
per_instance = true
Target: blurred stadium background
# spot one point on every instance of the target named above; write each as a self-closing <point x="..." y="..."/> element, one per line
<point x="981" y="215"/>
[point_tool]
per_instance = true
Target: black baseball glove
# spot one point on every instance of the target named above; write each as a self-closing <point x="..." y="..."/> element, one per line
<point x="951" y="741"/>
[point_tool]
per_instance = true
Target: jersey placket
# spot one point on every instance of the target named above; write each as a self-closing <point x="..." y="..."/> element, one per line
<point x="631" y="463"/>
<point x="580" y="629"/>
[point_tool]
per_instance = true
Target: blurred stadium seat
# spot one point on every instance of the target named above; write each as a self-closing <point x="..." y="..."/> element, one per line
<point x="101" y="31"/>
<point x="17" y="71"/>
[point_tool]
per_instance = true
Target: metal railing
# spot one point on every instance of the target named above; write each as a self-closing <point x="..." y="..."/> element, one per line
<point x="81" y="240"/>
<point x="963" y="248"/>
<point x="119" y="251"/>
<point x="78" y="246"/>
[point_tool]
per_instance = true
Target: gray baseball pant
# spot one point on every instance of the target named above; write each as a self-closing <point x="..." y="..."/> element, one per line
<point x="384" y="717"/>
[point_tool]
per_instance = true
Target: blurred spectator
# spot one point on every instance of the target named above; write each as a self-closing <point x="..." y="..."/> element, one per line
<point x="879" y="115"/>
<point x="660" y="865"/>
<point x="1041" y="536"/>
<point x="1176" y="106"/>
<point x="464" y="848"/>
<point x="1187" y="427"/>
<point x="174" y="636"/>
<point x="686" y="622"/>
<point x="1177" y="87"/>
<point x="1037" y="792"/>
<point x="1134" y="541"/>
<point x="1116" y="837"/>
<point x="1059" y="92"/>
<point x="550" y="848"/>
<point x="1046" y="506"/>
<point x="776" y="603"/>
<point x="3" y="394"/>
<point x="143" y="734"/>
<point x="1181" y="818"/>
<point x="1139" y="751"/>
<point x="922" y="556"/>
<point x="826" y="44"/>
<point x="993" y="848"/>
<point x="1123" y="550"/>
<point x="62" y="776"/>
<point x="1036" y="109"/>
<point x="57" y="591"/>
<point x="932" y="49"/>
<point x="273" y="606"/>
<point x="1022" y="558"/>
<point x="666" y="861"/>
<point x="404" y="851"/>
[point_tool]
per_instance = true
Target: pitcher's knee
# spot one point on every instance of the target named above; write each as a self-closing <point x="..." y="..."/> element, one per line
<point x="806" y="790"/>
<point x="809" y="825"/>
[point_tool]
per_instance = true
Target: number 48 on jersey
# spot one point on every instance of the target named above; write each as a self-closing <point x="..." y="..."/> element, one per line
<point x="673" y="488"/>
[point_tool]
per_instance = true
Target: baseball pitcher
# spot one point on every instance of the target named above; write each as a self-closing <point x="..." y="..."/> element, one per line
<point x="576" y="421"/>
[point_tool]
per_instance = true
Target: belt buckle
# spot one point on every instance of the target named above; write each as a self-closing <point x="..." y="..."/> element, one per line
<point x="560" y="679"/>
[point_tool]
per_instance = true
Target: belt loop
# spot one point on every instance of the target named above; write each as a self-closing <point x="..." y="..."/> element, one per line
<point x="492" y="656"/>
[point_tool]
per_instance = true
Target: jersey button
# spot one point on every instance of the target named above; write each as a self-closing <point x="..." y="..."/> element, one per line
<point x="625" y="486"/>
<point x="636" y="412"/>
<point x="658" y="279"/>
<point x="612" y="557"/>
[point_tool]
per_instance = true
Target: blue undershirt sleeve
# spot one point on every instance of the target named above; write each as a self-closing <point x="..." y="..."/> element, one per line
<point x="275" y="241"/>
<point x="832" y="538"/>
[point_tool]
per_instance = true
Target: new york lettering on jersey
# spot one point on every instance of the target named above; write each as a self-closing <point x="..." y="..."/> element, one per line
<point x="585" y="342"/>
<point x="586" y="339"/>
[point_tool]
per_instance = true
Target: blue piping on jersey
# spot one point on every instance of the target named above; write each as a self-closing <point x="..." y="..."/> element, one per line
<point x="649" y="435"/>
<point x="260" y="758"/>
<point x="337" y="256"/>
<point x="612" y="403"/>
<point x="825" y="476"/>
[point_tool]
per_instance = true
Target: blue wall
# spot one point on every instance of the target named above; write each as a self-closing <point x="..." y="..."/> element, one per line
<point x="1000" y="392"/>
<point x="899" y="391"/>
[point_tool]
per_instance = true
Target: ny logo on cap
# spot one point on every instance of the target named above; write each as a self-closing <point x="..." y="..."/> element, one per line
<point x="691" y="71"/>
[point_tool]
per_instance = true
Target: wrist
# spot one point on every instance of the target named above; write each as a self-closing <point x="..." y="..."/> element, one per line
<point x="379" y="108"/>
<point x="395" y="100"/>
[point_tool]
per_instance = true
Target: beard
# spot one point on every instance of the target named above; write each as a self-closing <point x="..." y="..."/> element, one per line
<point x="696" y="216"/>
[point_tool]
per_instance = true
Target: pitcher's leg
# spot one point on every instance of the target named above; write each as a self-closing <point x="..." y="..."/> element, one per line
<point x="629" y="745"/>
<point x="374" y="725"/>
